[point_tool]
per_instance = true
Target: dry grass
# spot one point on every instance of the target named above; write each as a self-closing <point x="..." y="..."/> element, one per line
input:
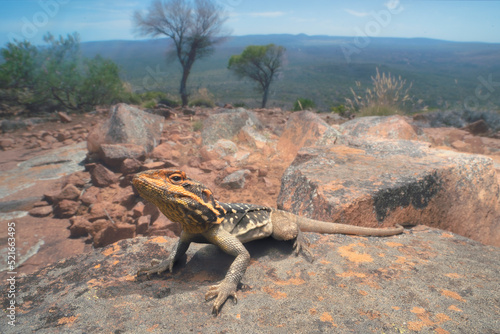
<point x="388" y="96"/>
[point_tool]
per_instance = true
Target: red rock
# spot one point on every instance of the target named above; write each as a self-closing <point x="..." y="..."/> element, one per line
<point x="66" y="208"/>
<point x="138" y="210"/>
<point x="130" y="166"/>
<point x="41" y="211"/>
<point x="113" y="233"/>
<point x="78" y="179"/>
<point x="89" y="196"/>
<point x="477" y="128"/>
<point x="80" y="227"/>
<point x="162" y="152"/>
<point x="163" y="226"/>
<point x="102" y="177"/>
<point x="114" y="154"/>
<point x="64" y="117"/>
<point x="98" y="225"/>
<point x="7" y="143"/>
<point x="153" y="165"/>
<point x="143" y="223"/>
<point x="68" y="192"/>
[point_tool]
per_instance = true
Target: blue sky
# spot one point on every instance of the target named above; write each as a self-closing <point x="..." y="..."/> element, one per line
<point x="111" y="19"/>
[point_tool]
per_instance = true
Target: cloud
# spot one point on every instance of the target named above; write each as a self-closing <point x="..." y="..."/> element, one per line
<point x="267" y="14"/>
<point x="355" y="13"/>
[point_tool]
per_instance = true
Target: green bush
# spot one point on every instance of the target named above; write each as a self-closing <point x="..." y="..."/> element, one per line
<point x="303" y="104"/>
<point x="56" y="76"/>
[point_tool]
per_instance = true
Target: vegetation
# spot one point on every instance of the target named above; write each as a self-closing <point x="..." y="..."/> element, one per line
<point x="203" y="98"/>
<point x="193" y="28"/>
<point x="303" y="104"/>
<point x="260" y="63"/>
<point x="57" y="76"/>
<point x="389" y="95"/>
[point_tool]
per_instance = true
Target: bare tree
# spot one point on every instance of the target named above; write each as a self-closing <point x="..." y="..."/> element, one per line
<point x="194" y="28"/>
<point x="260" y="63"/>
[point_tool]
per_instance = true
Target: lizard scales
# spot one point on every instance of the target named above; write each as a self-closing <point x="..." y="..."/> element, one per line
<point x="227" y="225"/>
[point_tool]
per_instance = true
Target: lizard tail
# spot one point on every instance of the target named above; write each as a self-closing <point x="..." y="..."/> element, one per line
<point x="311" y="225"/>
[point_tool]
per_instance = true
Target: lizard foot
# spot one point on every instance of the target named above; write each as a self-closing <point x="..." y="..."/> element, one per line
<point x="221" y="291"/>
<point x="301" y="244"/>
<point x="156" y="268"/>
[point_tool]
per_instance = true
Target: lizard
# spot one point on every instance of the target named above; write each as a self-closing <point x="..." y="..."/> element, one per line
<point x="227" y="225"/>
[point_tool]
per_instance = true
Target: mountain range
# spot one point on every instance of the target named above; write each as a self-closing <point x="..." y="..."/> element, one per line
<point x="322" y="68"/>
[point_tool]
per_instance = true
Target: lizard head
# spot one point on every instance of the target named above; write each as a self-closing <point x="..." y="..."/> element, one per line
<point x="180" y="198"/>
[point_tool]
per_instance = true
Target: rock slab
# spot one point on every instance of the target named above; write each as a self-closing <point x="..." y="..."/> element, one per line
<point x="382" y="183"/>
<point x="424" y="280"/>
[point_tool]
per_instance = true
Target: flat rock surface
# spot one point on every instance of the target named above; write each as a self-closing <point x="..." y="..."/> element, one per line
<point x="424" y="280"/>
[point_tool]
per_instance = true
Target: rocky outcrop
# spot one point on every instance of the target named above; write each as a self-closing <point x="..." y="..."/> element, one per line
<point x="424" y="280"/>
<point x="381" y="183"/>
<point x="304" y="129"/>
<point x="392" y="127"/>
<point x="127" y="125"/>
<point x="227" y="124"/>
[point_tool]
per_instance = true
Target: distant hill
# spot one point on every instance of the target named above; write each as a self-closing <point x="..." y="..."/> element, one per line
<point x="442" y="73"/>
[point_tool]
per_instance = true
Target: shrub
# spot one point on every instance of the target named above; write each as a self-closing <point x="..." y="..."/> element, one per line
<point x="389" y="95"/>
<point x="303" y="104"/>
<point x="202" y="98"/>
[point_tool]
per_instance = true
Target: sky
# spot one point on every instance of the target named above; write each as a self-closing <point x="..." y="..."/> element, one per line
<point x="97" y="20"/>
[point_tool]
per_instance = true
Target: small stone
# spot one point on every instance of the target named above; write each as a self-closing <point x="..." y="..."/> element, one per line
<point x="6" y="143"/>
<point x="153" y="165"/>
<point x="130" y="166"/>
<point x="113" y="233"/>
<point x="235" y="180"/>
<point x="102" y="177"/>
<point x="41" y="211"/>
<point x="79" y="227"/>
<point x="143" y="224"/>
<point x="138" y="210"/>
<point x="69" y="192"/>
<point x="65" y="208"/>
<point x="89" y="197"/>
<point x="64" y="117"/>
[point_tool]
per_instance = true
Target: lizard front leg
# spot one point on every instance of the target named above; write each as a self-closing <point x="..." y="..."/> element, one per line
<point x="178" y="250"/>
<point x="232" y="246"/>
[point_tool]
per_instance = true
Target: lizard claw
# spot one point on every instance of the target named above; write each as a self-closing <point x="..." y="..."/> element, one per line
<point x="221" y="292"/>
<point x="301" y="245"/>
<point x="156" y="268"/>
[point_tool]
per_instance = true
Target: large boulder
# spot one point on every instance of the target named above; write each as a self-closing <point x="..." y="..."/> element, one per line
<point x="227" y="124"/>
<point x="425" y="281"/>
<point x="390" y="127"/>
<point x="127" y="125"/>
<point x="304" y="129"/>
<point x="381" y="183"/>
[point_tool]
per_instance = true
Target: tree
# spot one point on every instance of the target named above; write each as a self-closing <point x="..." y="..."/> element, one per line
<point x="260" y="63"/>
<point x="194" y="28"/>
<point x="56" y="76"/>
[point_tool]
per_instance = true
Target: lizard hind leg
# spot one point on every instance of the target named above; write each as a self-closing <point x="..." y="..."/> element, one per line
<point x="285" y="227"/>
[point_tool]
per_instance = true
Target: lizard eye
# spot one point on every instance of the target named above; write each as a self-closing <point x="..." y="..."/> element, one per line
<point x="175" y="178"/>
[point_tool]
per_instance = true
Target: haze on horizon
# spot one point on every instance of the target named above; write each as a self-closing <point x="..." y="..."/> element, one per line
<point x="452" y="20"/>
